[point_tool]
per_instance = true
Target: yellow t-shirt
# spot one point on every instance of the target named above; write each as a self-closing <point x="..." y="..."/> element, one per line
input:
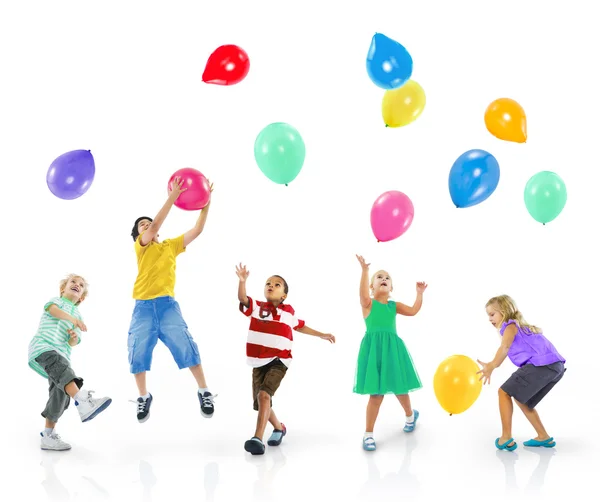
<point x="156" y="268"/>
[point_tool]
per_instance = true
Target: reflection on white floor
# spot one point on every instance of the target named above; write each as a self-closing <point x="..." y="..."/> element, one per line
<point x="536" y="479"/>
<point x="445" y="459"/>
<point x="399" y="479"/>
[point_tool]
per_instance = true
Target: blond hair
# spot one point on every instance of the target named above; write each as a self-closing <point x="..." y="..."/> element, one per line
<point x="373" y="280"/>
<point x="509" y="311"/>
<point x="63" y="285"/>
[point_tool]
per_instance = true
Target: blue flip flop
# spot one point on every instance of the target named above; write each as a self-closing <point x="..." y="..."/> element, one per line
<point x="547" y="443"/>
<point x="505" y="445"/>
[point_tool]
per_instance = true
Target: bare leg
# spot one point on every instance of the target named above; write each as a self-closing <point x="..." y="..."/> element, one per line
<point x="372" y="411"/>
<point x="71" y="389"/>
<point x="264" y="411"/>
<point x="534" y="420"/>
<point x="506" y="412"/>
<point x="199" y="376"/>
<point x="405" y="402"/>
<point x="140" y="381"/>
<point x="50" y="424"/>
<point x="274" y="421"/>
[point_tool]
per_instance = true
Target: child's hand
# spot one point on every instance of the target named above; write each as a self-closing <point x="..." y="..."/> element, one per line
<point x="329" y="337"/>
<point x="361" y="260"/>
<point x="486" y="372"/>
<point x="79" y="324"/>
<point x="74" y="336"/>
<point x="421" y="287"/>
<point x="241" y="272"/>
<point x="209" y="200"/>
<point x="175" y="188"/>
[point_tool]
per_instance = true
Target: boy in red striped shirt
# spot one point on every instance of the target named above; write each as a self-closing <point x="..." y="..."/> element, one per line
<point x="269" y="351"/>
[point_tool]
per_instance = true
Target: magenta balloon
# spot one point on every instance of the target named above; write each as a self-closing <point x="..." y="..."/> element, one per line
<point x="71" y="174"/>
<point x="197" y="194"/>
<point x="391" y="215"/>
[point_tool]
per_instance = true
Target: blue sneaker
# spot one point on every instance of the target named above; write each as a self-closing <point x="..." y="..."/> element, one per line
<point x="409" y="427"/>
<point x="254" y="446"/>
<point x="277" y="436"/>
<point x="369" y="444"/>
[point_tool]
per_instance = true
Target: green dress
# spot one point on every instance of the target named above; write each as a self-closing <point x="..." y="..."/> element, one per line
<point x="384" y="363"/>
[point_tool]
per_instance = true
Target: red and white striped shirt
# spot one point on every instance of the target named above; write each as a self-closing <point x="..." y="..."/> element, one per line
<point x="270" y="335"/>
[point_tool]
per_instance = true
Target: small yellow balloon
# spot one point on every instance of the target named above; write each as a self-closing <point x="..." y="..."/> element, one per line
<point x="506" y="119"/>
<point x="456" y="384"/>
<point x="403" y="105"/>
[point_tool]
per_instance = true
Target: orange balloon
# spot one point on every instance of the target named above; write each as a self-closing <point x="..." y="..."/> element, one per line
<point x="505" y="119"/>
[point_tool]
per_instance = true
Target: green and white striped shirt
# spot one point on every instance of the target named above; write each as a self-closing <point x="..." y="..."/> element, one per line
<point x="52" y="333"/>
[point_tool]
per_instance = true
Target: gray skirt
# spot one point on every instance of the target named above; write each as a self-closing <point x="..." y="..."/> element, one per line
<point x="530" y="384"/>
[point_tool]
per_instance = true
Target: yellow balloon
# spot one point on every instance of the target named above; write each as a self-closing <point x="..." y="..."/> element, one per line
<point x="506" y="119"/>
<point x="456" y="384"/>
<point x="403" y="105"/>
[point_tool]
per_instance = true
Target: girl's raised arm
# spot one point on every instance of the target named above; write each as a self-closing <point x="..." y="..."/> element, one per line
<point x="365" y="297"/>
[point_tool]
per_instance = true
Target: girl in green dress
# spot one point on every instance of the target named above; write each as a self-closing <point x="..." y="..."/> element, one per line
<point x="384" y="363"/>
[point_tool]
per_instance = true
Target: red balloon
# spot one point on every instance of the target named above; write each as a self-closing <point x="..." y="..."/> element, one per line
<point x="197" y="195"/>
<point x="228" y="65"/>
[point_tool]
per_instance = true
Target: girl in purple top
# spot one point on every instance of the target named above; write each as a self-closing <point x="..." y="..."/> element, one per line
<point x="540" y="369"/>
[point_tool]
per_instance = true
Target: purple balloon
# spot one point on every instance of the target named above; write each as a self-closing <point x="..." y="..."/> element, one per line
<point x="71" y="174"/>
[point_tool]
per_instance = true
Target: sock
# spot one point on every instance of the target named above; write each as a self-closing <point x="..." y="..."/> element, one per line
<point x="411" y="419"/>
<point x="81" y="395"/>
<point x="146" y="396"/>
<point x="368" y="435"/>
<point x="47" y="431"/>
<point x="202" y="391"/>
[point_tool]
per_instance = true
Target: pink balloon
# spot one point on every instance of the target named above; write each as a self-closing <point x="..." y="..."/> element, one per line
<point x="197" y="194"/>
<point x="391" y="215"/>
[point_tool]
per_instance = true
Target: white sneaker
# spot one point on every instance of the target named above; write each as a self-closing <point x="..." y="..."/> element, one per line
<point x="53" y="442"/>
<point x="89" y="407"/>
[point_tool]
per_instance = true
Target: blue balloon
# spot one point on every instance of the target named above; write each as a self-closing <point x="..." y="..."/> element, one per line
<point x="473" y="178"/>
<point x="389" y="64"/>
<point x="71" y="175"/>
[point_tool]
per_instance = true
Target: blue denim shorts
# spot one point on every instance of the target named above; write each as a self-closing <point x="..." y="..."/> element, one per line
<point x="159" y="319"/>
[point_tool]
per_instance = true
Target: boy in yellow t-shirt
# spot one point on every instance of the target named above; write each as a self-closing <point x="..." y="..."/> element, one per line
<point x="157" y="315"/>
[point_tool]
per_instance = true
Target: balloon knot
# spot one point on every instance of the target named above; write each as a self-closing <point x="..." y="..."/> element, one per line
<point x="286" y="184"/>
<point x="387" y="125"/>
<point x="450" y="414"/>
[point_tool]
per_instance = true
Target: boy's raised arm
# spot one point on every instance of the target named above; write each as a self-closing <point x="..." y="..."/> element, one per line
<point x="174" y="191"/>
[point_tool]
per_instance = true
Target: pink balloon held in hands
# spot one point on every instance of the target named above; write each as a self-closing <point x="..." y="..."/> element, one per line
<point x="391" y="215"/>
<point x="197" y="189"/>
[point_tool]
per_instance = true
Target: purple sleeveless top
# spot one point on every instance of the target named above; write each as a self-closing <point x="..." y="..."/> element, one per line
<point x="531" y="348"/>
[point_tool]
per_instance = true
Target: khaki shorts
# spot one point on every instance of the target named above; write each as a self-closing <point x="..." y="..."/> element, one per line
<point x="267" y="378"/>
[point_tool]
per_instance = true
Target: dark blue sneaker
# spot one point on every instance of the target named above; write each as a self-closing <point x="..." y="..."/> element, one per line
<point x="143" y="408"/>
<point x="207" y="404"/>
<point x="255" y="446"/>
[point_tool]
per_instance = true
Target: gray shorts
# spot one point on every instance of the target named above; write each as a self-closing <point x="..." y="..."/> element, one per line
<point x="530" y="384"/>
<point x="60" y="374"/>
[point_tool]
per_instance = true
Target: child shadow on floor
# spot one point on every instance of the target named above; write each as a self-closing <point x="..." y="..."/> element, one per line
<point x="536" y="480"/>
<point x="267" y="467"/>
<point x="57" y="491"/>
<point x="401" y="481"/>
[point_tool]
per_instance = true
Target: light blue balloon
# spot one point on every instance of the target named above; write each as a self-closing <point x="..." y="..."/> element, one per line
<point x="389" y="65"/>
<point x="473" y="178"/>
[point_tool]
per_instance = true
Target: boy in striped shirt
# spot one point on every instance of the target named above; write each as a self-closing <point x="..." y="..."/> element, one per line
<point x="50" y="353"/>
<point x="269" y="351"/>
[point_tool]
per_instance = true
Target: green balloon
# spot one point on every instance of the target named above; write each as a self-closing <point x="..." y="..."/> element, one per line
<point x="279" y="152"/>
<point x="545" y="196"/>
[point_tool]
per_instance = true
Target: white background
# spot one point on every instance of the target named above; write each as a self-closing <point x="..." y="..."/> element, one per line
<point x="123" y="79"/>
